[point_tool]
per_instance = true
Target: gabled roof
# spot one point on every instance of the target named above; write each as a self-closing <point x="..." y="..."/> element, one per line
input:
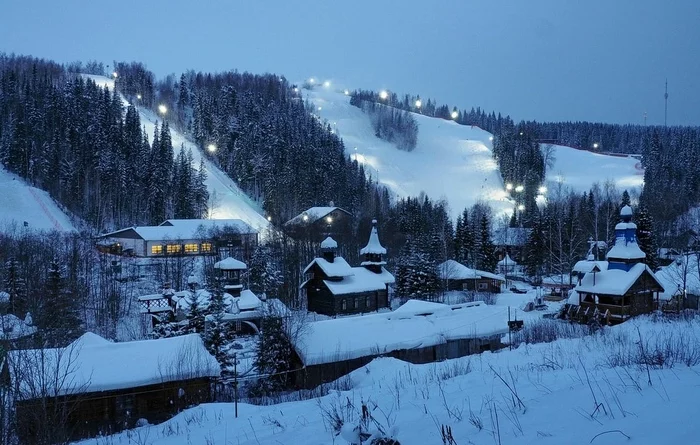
<point x="338" y="268"/>
<point x="507" y="261"/>
<point x="625" y="251"/>
<point x="184" y="229"/>
<point x="373" y="245"/>
<point x="615" y="281"/>
<point x="329" y="243"/>
<point x="94" y="364"/>
<point x="585" y="266"/>
<point x="313" y="214"/>
<point x="453" y="270"/>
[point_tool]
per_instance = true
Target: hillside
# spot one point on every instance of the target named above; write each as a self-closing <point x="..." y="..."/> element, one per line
<point x="595" y="389"/>
<point x="580" y="169"/>
<point x="21" y="202"/>
<point x="226" y="200"/>
<point x="450" y="161"/>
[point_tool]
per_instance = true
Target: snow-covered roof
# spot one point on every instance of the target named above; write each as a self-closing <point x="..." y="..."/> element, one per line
<point x="362" y="280"/>
<point x="4" y="297"/>
<point x="13" y="327"/>
<point x="416" y="326"/>
<point x="338" y="268"/>
<point x="329" y="243"/>
<point x="573" y="298"/>
<point x="507" y="261"/>
<point x="373" y="245"/>
<point x="680" y="274"/>
<point x="614" y="281"/>
<point x="585" y="266"/>
<point x="453" y="270"/>
<point x="92" y="364"/>
<point x="248" y="300"/>
<point x="312" y="215"/>
<point x="626" y="211"/>
<point x="556" y="280"/>
<point x="625" y="251"/>
<point x="183" y="229"/>
<point x="230" y="264"/>
<point x="511" y="236"/>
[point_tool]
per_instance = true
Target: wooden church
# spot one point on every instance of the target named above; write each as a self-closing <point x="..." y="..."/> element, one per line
<point x="333" y="287"/>
<point x="621" y="288"/>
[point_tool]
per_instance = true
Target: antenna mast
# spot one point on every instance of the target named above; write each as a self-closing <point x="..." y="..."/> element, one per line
<point x="666" y="105"/>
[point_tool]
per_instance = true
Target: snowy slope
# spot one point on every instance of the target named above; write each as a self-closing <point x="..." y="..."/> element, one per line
<point x="450" y="161"/>
<point x="580" y="169"/>
<point x="230" y="201"/>
<point x="20" y="202"/>
<point x="570" y="391"/>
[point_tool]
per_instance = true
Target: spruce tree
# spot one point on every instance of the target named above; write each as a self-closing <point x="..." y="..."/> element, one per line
<point x="195" y="313"/>
<point x="646" y="238"/>
<point x="486" y="259"/>
<point x="217" y="335"/>
<point x="59" y="319"/>
<point x="273" y="358"/>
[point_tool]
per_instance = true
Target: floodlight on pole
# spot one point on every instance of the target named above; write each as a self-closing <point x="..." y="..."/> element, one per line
<point x="521" y="207"/>
<point x="269" y="218"/>
<point x="509" y="186"/>
<point x="454" y="113"/>
<point x="138" y="96"/>
<point x="491" y="138"/>
<point x="418" y="103"/>
<point x="114" y="74"/>
<point x="327" y="83"/>
<point x="312" y="80"/>
<point x="347" y="92"/>
<point x="162" y="109"/>
<point x="383" y="95"/>
<point x="211" y="148"/>
<point x="519" y="188"/>
<point x="329" y="219"/>
<point x="542" y="190"/>
<point x="595" y="145"/>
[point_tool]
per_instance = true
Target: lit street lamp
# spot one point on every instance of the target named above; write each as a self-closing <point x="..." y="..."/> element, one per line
<point x="312" y="80"/>
<point x="542" y="190"/>
<point x="327" y="83"/>
<point x="138" y="96"/>
<point x="162" y="109"/>
<point x="521" y="207"/>
<point x="519" y="188"/>
<point x="418" y="103"/>
<point x="211" y="148"/>
<point x="114" y="74"/>
<point x="347" y="92"/>
<point x="269" y="218"/>
<point x="595" y="145"/>
<point x="329" y="219"/>
<point x="383" y="95"/>
<point x="454" y="113"/>
<point x="491" y="138"/>
<point x="509" y="186"/>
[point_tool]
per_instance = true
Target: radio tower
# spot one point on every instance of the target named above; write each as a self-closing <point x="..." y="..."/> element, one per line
<point x="666" y="104"/>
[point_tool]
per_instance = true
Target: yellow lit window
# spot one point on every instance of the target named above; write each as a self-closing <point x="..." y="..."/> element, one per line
<point x="206" y="247"/>
<point x="157" y="250"/>
<point x="173" y="248"/>
<point x="191" y="248"/>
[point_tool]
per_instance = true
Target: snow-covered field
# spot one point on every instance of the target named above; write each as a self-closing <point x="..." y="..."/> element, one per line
<point x="20" y="202"/>
<point x="229" y="201"/>
<point x="574" y="391"/>
<point x="450" y="161"/>
<point x="580" y="169"/>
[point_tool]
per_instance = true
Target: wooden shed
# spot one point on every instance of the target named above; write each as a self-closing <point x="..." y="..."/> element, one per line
<point x="459" y="277"/>
<point x="95" y="387"/>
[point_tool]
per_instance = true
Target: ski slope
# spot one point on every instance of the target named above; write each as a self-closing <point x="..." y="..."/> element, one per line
<point x="450" y="161"/>
<point x="20" y="202"/>
<point x="229" y="201"/>
<point x="580" y="169"/>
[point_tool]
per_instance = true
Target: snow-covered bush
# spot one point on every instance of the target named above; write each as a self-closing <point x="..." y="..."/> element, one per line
<point x="358" y="425"/>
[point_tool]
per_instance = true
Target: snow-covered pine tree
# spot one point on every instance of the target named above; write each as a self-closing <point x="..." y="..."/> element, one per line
<point x="58" y="317"/>
<point x="273" y="358"/>
<point x="486" y="255"/>
<point x="646" y="238"/>
<point x="218" y="332"/>
<point x="195" y="313"/>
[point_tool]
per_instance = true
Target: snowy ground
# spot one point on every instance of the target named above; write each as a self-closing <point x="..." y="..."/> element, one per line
<point x="583" y="390"/>
<point x="21" y="202"/>
<point x="450" y="161"/>
<point x="580" y="169"/>
<point x="229" y="201"/>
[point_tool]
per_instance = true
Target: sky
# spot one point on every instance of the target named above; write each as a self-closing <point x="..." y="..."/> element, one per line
<point x="595" y="60"/>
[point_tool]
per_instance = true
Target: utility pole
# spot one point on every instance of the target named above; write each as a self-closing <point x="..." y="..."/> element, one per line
<point x="666" y="105"/>
<point x="235" y="382"/>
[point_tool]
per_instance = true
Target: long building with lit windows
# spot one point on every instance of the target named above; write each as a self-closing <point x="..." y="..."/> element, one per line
<point x="183" y="237"/>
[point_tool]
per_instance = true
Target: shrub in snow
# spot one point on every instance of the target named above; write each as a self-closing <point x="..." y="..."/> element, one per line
<point x="358" y="426"/>
<point x="142" y="422"/>
<point x="547" y="330"/>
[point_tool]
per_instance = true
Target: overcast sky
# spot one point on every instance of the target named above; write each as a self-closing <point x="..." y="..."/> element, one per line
<point x="600" y="60"/>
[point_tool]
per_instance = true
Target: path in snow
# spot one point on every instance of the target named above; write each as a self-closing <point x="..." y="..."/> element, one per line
<point x="231" y="201"/>
<point x="21" y="202"/>
<point x="450" y="161"/>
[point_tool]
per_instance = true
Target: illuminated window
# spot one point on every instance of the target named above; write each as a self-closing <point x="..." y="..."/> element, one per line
<point x="206" y="247"/>
<point x="191" y="248"/>
<point x="173" y="248"/>
<point x="157" y="250"/>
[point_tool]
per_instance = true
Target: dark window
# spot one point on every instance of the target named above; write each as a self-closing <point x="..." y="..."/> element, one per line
<point x="368" y="302"/>
<point x="343" y="304"/>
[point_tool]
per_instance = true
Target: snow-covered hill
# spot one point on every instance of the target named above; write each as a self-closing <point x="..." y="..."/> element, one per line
<point x="580" y="169"/>
<point x="450" y="161"/>
<point x="20" y="202"/>
<point x="229" y="201"/>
